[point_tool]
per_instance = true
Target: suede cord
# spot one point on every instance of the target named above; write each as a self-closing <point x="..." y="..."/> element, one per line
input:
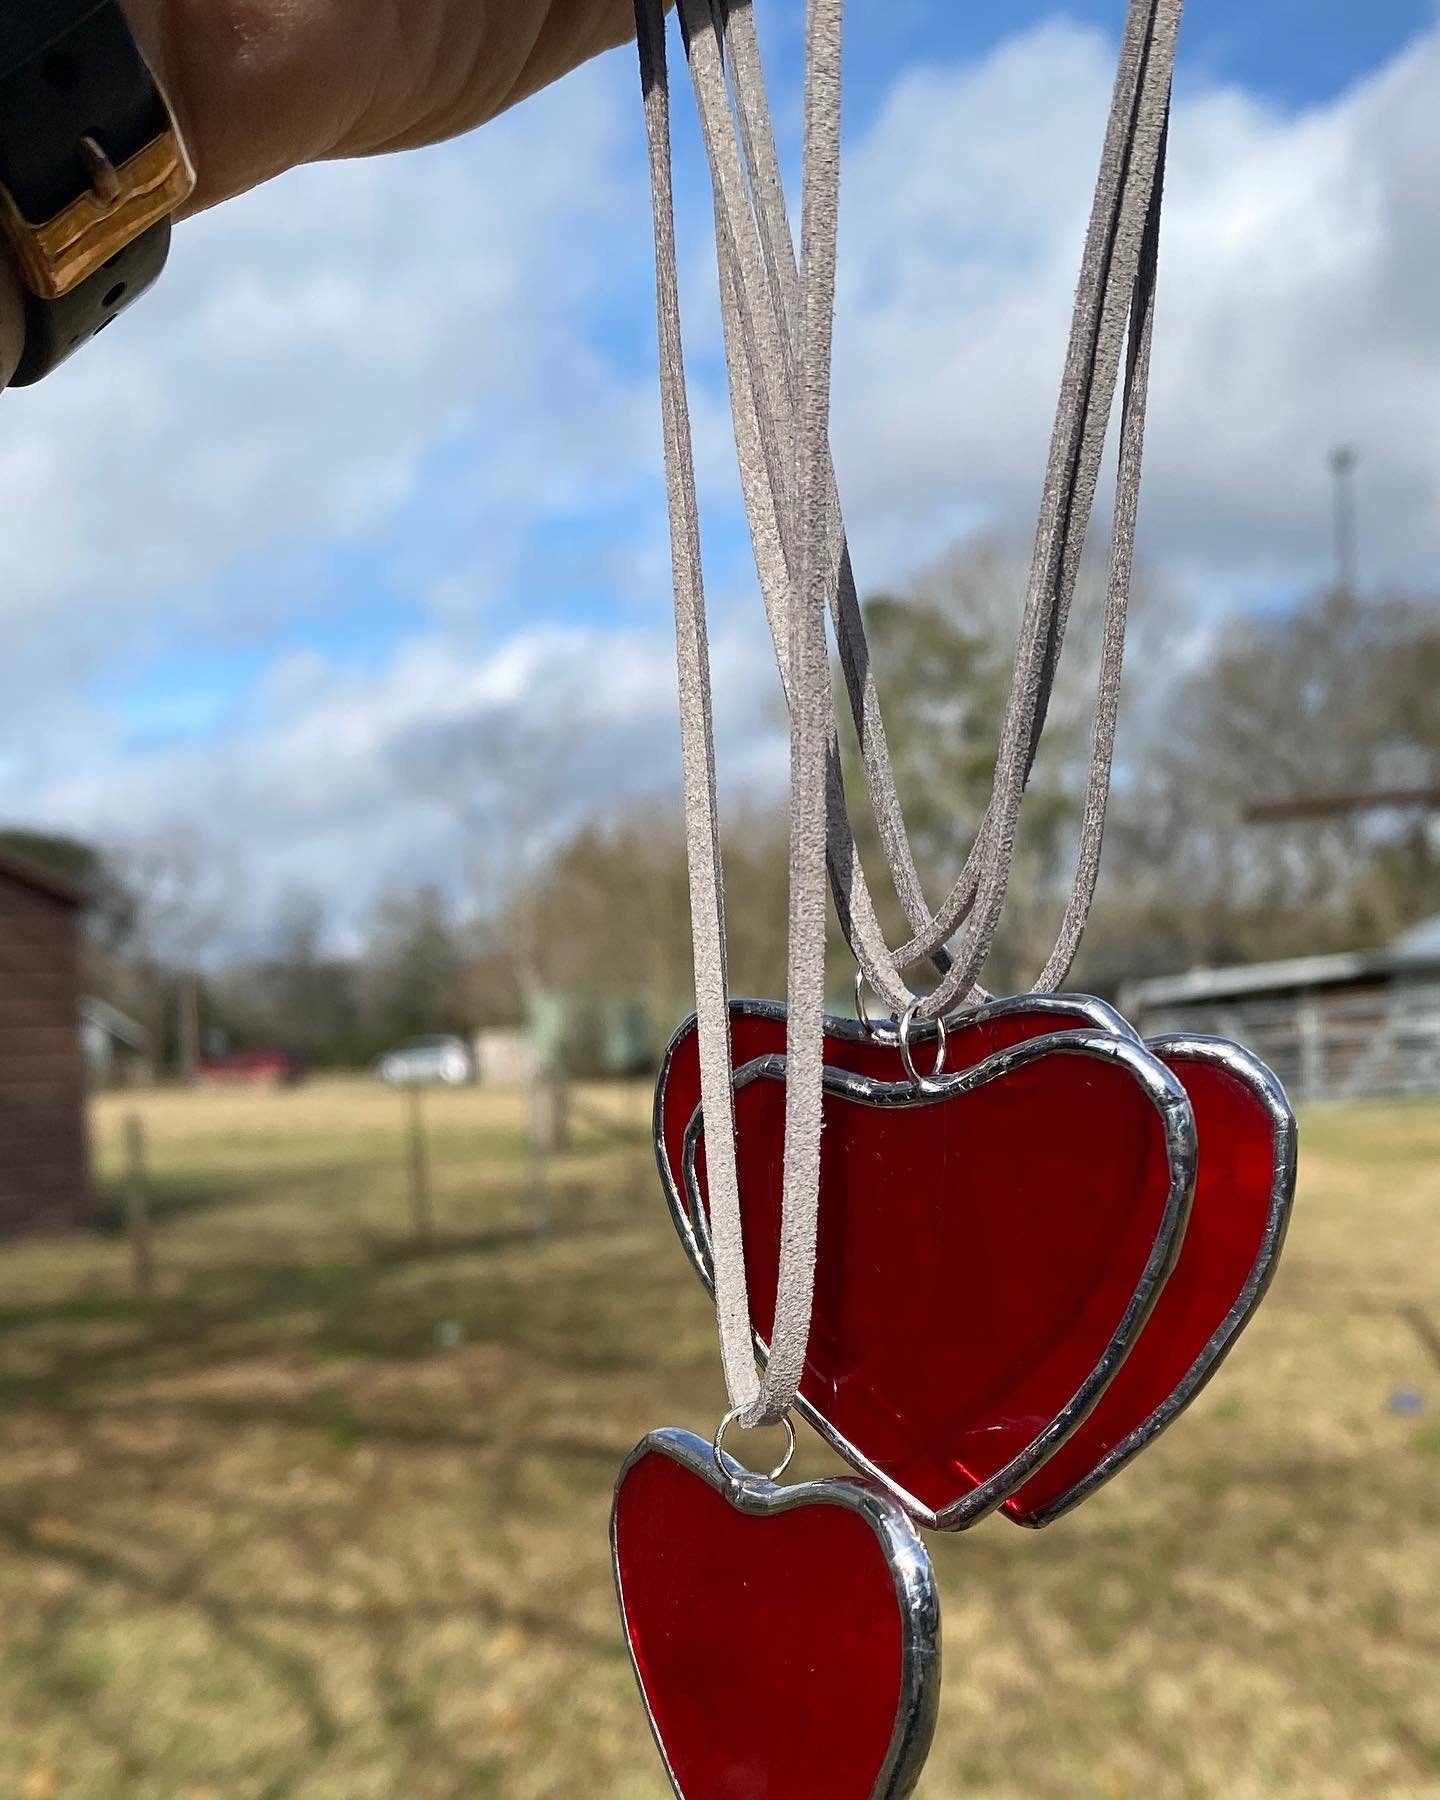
<point x="777" y="314"/>
<point x="697" y="744"/>
<point x="1124" y="208"/>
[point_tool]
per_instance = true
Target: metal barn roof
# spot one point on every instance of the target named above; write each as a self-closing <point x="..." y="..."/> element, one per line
<point x="1421" y="943"/>
<point x="1415" y="950"/>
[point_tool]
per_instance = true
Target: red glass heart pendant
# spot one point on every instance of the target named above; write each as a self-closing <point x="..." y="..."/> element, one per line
<point x="990" y="1245"/>
<point x="757" y="1028"/>
<point x="786" y="1639"/>
<point x="1245" y="1183"/>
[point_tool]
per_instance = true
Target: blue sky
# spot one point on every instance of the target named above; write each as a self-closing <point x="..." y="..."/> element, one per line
<point x="354" y="473"/>
<point x="1298" y="51"/>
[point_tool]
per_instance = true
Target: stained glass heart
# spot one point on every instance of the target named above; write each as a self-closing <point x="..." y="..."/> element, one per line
<point x="1245" y="1183"/>
<point x="990" y="1246"/>
<point x="786" y="1640"/>
<point x="757" y="1028"/>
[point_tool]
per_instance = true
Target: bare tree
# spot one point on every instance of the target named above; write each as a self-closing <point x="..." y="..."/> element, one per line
<point x="1334" y="695"/>
<point x="943" y="651"/>
<point x="411" y="970"/>
<point x="182" y="883"/>
<point x="503" y="777"/>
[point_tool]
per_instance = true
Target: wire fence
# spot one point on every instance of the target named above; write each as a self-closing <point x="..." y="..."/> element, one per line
<point x="1369" y="1042"/>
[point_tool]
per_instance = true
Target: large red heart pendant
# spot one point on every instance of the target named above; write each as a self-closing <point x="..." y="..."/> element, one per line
<point x="757" y="1028"/>
<point x="1245" y="1184"/>
<point x="786" y="1640"/>
<point x="990" y="1245"/>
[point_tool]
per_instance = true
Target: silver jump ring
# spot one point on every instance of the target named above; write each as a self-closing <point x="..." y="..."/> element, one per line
<point x="785" y="1461"/>
<point x="907" y="1025"/>
<point x="882" y="1034"/>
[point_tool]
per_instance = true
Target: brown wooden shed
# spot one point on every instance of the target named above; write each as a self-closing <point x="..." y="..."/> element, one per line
<point x="44" y="1175"/>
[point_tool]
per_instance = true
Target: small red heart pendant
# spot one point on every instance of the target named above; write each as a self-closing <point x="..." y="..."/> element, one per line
<point x="786" y="1639"/>
<point x="990" y="1244"/>
<point x="1244" y="1187"/>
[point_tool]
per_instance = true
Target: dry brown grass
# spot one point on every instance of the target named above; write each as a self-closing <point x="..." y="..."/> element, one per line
<point x="326" y="1519"/>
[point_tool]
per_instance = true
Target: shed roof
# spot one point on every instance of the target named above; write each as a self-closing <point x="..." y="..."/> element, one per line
<point x="1415" y="951"/>
<point x="114" y="1023"/>
<point x="1257" y="978"/>
<point x="44" y="881"/>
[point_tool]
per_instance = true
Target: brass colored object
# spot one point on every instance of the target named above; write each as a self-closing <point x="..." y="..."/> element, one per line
<point x="12" y="316"/>
<point x="120" y="205"/>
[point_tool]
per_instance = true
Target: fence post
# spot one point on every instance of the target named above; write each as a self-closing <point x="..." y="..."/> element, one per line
<point x="421" y="1211"/>
<point x="137" y="1209"/>
<point x="550" y="1113"/>
<point x="1312" y="1050"/>
<point x="549" y="1100"/>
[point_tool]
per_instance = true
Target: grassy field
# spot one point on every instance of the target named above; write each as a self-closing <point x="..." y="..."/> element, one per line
<point x="325" y="1518"/>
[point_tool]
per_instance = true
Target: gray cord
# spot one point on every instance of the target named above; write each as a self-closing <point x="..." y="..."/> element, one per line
<point x="1123" y="210"/>
<point x="778" y="321"/>
<point x="811" y="725"/>
<point x="697" y="741"/>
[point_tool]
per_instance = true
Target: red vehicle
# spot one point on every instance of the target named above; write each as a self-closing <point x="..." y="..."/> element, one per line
<point x="251" y="1068"/>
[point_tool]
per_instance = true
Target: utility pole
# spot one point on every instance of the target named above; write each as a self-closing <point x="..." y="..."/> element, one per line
<point x="189" y="1033"/>
<point x="1343" y="459"/>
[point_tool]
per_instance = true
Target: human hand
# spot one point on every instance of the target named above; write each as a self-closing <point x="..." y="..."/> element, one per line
<point x="260" y="86"/>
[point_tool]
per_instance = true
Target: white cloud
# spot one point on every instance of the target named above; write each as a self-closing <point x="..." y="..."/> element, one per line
<point x="322" y="349"/>
<point x="1299" y="261"/>
<point x="324" y="788"/>
<point x="310" y="346"/>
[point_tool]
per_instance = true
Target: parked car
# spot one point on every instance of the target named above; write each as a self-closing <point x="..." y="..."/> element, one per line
<point x="445" y="1059"/>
